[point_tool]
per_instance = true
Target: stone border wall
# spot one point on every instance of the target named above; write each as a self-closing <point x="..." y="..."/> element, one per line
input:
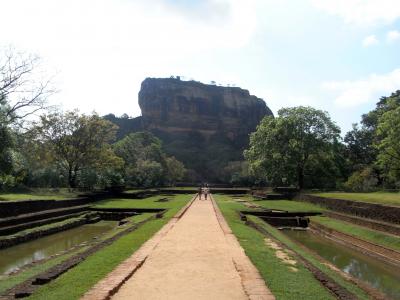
<point x="41" y="215"/>
<point x="40" y="222"/>
<point x="14" y="208"/>
<point x="18" y="239"/>
<point x="390" y="214"/>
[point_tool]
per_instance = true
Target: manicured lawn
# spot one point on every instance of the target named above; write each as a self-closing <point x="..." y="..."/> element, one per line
<point x="289" y="205"/>
<point x="37" y="196"/>
<point x="372" y="236"/>
<point x="150" y="202"/>
<point x="131" y="191"/>
<point x="376" y="197"/>
<point x="284" y="283"/>
<point x="74" y="283"/>
<point x="181" y="188"/>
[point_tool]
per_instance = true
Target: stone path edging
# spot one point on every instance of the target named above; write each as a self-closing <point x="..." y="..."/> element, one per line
<point x="252" y="282"/>
<point x="108" y="286"/>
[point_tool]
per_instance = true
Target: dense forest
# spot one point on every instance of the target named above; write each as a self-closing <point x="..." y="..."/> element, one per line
<point x="301" y="146"/>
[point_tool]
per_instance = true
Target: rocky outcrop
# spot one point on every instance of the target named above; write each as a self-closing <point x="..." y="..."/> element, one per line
<point x="175" y="106"/>
<point x="204" y="126"/>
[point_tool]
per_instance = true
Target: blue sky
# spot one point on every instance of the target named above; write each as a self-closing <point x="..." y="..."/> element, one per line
<point x="336" y="55"/>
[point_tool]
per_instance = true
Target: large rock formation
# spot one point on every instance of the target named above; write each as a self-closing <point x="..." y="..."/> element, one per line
<point x="176" y="106"/>
<point x="204" y="126"/>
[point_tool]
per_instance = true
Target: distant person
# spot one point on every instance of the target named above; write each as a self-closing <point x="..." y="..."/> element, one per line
<point x="206" y="191"/>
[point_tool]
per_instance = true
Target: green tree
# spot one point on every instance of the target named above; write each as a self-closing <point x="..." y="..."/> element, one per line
<point x="360" y="150"/>
<point x="175" y="170"/>
<point x="364" y="145"/>
<point x="145" y="163"/>
<point x="78" y="142"/>
<point x="6" y="161"/>
<point x="283" y="148"/>
<point x="388" y="144"/>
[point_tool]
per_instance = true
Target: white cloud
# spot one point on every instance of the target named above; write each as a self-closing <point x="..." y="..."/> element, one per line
<point x="392" y="36"/>
<point x="361" y="12"/>
<point x="370" y="41"/>
<point x="354" y="93"/>
<point x="103" y="49"/>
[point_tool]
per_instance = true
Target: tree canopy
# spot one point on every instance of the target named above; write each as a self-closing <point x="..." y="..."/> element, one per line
<point x="284" y="148"/>
<point x="78" y="141"/>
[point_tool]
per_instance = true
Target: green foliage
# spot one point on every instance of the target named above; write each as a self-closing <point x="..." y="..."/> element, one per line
<point x="364" y="180"/>
<point x="78" y="143"/>
<point x="175" y="170"/>
<point x="238" y="173"/>
<point x="376" y="143"/>
<point x="388" y="133"/>
<point x="6" y="144"/>
<point x="145" y="163"/>
<point x="360" y="150"/>
<point x="288" y="148"/>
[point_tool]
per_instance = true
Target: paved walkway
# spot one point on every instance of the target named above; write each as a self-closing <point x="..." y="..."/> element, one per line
<point x="197" y="257"/>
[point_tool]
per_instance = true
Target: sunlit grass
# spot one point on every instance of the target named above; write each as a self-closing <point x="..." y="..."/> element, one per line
<point x="376" y="197"/>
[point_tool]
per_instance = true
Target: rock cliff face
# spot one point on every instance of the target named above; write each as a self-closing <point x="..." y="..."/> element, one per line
<point x="204" y="126"/>
<point x="174" y="106"/>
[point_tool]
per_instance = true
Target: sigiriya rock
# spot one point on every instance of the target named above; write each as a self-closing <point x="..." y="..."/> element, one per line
<point x="204" y="126"/>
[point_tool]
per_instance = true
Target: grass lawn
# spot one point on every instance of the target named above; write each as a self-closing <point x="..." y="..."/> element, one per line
<point x="284" y="283"/>
<point x="181" y="188"/>
<point x="98" y="265"/>
<point x="63" y="195"/>
<point x="131" y="191"/>
<point x="289" y="205"/>
<point x="370" y="235"/>
<point x="376" y="197"/>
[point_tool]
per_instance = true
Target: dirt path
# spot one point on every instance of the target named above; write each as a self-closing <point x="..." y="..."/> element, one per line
<point x="197" y="258"/>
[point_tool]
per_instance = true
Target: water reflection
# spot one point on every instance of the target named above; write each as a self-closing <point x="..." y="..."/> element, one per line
<point x="378" y="274"/>
<point x="13" y="258"/>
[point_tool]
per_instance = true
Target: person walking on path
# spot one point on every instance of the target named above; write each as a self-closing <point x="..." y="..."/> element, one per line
<point x="206" y="191"/>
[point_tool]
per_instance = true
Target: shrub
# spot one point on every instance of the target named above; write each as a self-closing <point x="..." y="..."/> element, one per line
<point x="364" y="180"/>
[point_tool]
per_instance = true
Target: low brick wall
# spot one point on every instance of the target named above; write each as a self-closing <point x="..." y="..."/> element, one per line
<point x="390" y="214"/>
<point x="15" y="228"/>
<point x="41" y="215"/>
<point x="14" y="208"/>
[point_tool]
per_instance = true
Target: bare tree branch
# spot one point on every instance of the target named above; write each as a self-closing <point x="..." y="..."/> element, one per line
<point x="22" y="91"/>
